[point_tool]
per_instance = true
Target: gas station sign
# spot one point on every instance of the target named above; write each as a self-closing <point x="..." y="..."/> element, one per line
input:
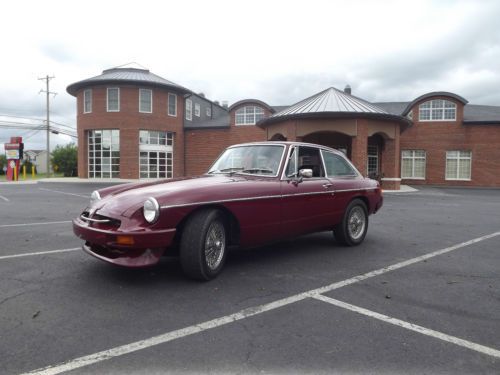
<point x="13" y="152"/>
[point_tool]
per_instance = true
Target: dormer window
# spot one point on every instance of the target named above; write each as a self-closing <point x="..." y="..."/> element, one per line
<point x="249" y="115"/>
<point x="438" y="110"/>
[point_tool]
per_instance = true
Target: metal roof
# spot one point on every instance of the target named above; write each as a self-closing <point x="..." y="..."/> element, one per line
<point x="220" y="122"/>
<point x="126" y="75"/>
<point x="332" y="103"/>
<point x="433" y="94"/>
<point x="331" y="100"/>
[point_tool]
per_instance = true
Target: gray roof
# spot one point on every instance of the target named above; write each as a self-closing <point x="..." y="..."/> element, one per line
<point x="126" y="75"/>
<point x="481" y="113"/>
<point x="473" y="113"/>
<point x="220" y="122"/>
<point x="331" y="100"/>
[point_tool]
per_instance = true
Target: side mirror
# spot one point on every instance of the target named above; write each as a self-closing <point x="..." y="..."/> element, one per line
<point x="306" y="173"/>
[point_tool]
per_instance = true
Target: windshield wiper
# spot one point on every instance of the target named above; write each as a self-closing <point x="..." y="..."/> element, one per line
<point x="257" y="170"/>
<point x="228" y="170"/>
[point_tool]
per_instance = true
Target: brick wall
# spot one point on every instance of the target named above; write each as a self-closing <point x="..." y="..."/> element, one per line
<point x="129" y="121"/>
<point x="437" y="137"/>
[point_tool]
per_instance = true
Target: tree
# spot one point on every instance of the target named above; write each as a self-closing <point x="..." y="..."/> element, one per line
<point x="3" y="163"/>
<point x="64" y="159"/>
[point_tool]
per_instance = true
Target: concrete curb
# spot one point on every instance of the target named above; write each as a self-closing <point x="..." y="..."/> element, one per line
<point x="403" y="189"/>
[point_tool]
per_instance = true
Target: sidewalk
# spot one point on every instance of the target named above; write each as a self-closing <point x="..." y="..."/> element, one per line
<point x="402" y="189"/>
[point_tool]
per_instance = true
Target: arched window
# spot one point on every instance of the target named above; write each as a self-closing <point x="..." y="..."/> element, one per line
<point x="437" y="110"/>
<point x="249" y="115"/>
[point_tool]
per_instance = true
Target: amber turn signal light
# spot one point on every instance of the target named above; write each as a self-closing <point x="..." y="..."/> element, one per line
<point x="124" y="240"/>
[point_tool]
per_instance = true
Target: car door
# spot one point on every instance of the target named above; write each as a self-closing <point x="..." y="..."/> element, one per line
<point x="344" y="179"/>
<point x="306" y="201"/>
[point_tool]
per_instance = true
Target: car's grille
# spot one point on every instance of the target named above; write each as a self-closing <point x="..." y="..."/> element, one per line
<point x="99" y="221"/>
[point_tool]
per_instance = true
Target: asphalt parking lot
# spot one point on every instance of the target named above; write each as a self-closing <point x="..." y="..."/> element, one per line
<point x="420" y="295"/>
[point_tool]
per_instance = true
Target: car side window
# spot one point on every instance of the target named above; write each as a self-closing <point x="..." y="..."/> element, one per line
<point x="337" y="166"/>
<point x="310" y="158"/>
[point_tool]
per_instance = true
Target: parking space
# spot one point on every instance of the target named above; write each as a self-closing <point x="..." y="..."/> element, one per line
<point x="263" y="313"/>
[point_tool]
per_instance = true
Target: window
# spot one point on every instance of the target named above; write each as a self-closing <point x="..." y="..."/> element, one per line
<point x="437" y="110"/>
<point x="145" y="101"/>
<point x="249" y="115"/>
<point x="172" y="105"/>
<point x="113" y="102"/>
<point x="104" y="153"/>
<point x="87" y="101"/>
<point x="209" y="112"/>
<point x="155" y="154"/>
<point x="458" y="165"/>
<point x="372" y="167"/>
<point x="310" y="158"/>
<point x="189" y="109"/>
<point x="337" y="166"/>
<point x="197" y="109"/>
<point x="410" y="115"/>
<point x="413" y="164"/>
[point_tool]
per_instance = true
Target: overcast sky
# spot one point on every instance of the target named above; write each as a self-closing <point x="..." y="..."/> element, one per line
<point x="276" y="51"/>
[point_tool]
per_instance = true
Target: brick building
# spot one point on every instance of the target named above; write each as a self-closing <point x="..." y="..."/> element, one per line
<point x="134" y="124"/>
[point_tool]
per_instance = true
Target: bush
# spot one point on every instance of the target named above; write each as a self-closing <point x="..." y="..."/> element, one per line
<point x="3" y="163"/>
<point x="64" y="159"/>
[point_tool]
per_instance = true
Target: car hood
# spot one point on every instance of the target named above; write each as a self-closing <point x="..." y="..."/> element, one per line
<point x="126" y="199"/>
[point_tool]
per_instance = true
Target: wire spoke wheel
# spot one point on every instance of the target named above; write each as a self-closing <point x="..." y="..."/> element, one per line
<point x="356" y="223"/>
<point x="215" y="245"/>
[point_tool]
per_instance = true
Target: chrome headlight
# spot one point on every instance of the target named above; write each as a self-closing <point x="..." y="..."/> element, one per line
<point x="94" y="197"/>
<point x="151" y="210"/>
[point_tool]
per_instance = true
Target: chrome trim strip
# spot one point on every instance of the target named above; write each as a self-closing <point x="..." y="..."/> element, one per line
<point x="84" y="218"/>
<point x="332" y="192"/>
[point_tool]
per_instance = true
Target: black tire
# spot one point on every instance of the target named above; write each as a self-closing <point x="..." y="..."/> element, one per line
<point x="351" y="231"/>
<point x="203" y="245"/>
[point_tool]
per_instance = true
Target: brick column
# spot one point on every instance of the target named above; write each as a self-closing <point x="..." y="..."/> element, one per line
<point x="359" y="147"/>
<point x="390" y="164"/>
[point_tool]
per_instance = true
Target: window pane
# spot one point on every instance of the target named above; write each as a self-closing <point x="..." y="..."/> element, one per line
<point x="113" y="99"/>
<point x="336" y="165"/>
<point x="145" y="100"/>
<point x="172" y="104"/>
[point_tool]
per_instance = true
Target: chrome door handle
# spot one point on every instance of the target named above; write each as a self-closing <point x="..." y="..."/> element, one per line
<point x="327" y="186"/>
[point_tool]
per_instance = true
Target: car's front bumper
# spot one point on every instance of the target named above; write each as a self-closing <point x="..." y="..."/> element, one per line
<point x="145" y="249"/>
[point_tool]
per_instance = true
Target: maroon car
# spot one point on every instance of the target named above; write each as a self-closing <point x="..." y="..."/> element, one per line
<point x="254" y="193"/>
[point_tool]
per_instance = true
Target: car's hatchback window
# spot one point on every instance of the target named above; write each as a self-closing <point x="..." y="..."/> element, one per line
<point x="261" y="160"/>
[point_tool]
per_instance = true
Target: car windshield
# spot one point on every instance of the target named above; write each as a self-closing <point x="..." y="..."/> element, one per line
<point x="254" y="159"/>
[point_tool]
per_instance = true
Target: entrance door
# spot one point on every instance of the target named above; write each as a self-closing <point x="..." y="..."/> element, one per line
<point x="155" y="154"/>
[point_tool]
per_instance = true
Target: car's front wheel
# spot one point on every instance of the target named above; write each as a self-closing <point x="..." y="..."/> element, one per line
<point x="203" y="245"/>
<point x="352" y="230"/>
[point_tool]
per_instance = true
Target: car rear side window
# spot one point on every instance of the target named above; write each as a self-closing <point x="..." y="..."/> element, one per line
<point x="337" y="166"/>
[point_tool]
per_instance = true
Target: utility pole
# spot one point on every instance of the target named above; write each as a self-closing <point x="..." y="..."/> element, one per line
<point x="47" y="91"/>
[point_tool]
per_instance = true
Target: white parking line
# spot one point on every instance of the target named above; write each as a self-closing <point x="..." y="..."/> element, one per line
<point x="3" y="198"/>
<point x="63" y="192"/>
<point x="30" y="224"/>
<point x="39" y="253"/>
<point x="246" y="313"/>
<point x="412" y="327"/>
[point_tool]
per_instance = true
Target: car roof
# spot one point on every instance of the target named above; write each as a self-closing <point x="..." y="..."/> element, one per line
<point x="287" y="143"/>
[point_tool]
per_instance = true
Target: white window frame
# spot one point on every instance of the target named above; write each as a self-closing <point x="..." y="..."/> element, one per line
<point x="141" y="91"/>
<point x="107" y="99"/>
<point x="189" y="110"/>
<point x="92" y="146"/>
<point x="208" y="112"/>
<point x="243" y="111"/>
<point x="433" y="108"/>
<point x="459" y="158"/>
<point x="413" y="158"/>
<point x="87" y="96"/>
<point x="170" y="96"/>
<point x="197" y="109"/>
<point x="373" y="156"/>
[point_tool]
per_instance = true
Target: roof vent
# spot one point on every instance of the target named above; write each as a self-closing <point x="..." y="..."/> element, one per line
<point x="225" y="103"/>
<point x="347" y="89"/>
<point x="216" y="102"/>
<point x="201" y="94"/>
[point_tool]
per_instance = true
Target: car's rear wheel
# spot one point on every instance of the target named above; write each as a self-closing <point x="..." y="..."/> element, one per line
<point x="203" y="245"/>
<point x="352" y="230"/>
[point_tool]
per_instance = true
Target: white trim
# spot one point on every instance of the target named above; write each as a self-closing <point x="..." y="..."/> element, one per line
<point x="89" y="91"/>
<point x="413" y="158"/>
<point x="390" y="179"/>
<point x="197" y="109"/>
<point x="107" y="99"/>
<point x="168" y="104"/>
<point x="458" y="159"/>
<point x="151" y="102"/>
<point x="430" y="109"/>
<point x="189" y="110"/>
<point x="208" y="112"/>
